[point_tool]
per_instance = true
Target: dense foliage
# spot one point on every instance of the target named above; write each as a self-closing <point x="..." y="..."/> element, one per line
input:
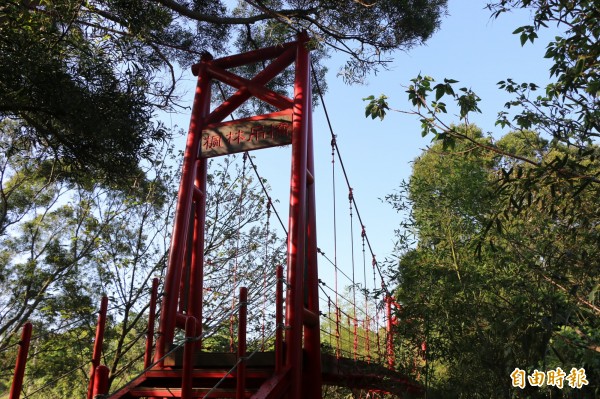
<point x="85" y="79"/>
<point x="497" y="264"/>
<point x="489" y="299"/>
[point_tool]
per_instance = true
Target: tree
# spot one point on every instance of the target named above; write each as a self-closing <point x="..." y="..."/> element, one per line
<point x="543" y="216"/>
<point x="518" y="300"/>
<point x="62" y="246"/>
<point x="85" y="80"/>
<point x="72" y="92"/>
<point x="446" y="196"/>
<point x="51" y="242"/>
<point x="46" y="234"/>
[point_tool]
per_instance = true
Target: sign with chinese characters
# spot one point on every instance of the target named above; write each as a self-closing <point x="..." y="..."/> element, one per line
<point x="247" y="134"/>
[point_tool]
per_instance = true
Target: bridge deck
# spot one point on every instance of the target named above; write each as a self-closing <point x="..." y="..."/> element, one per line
<point x="343" y="372"/>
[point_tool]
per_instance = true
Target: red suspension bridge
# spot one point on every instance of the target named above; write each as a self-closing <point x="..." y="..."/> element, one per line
<point x="319" y="336"/>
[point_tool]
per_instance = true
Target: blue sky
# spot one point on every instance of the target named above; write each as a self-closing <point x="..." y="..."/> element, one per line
<point x="469" y="47"/>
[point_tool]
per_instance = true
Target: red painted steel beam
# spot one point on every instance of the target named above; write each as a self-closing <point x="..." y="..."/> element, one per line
<point x="276" y="386"/>
<point x="17" y="383"/>
<point x="312" y="334"/>
<point x="310" y="179"/>
<point x="257" y="90"/>
<point x="188" y="358"/>
<point x="254" y="56"/>
<point x="198" y="195"/>
<point x="163" y="393"/>
<point x="151" y="319"/>
<point x="279" y="319"/>
<point x="263" y="77"/>
<point x="100" y="381"/>
<point x="184" y="283"/>
<point x="297" y="220"/>
<point x="197" y="262"/>
<point x="262" y="373"/>
<point x="98" y="344"/>
<point x="309" y="318"/>
<point x="241" y="352"/>
<point x="182" y="213"/>
<point x="181" y="319"/>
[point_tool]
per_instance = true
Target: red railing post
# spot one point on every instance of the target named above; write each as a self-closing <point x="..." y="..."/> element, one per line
<point x="367" y="331"/>
<point x="355" y="342"/>
<point x="188" y="358"/>
<point x="17" y="383"/>
<point x="279" y="319"/>
<point x="151" y="318"/>
<point x="390" y="337"/>
<point x="241" y="351"/>
<point x="100" y="381"/>
<point x="98" y="344"/>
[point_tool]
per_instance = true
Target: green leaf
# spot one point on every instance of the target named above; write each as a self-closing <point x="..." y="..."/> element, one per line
<point x="377" y="107"/>
<point x="440" y="90"/>
<point x="524" y="38"/>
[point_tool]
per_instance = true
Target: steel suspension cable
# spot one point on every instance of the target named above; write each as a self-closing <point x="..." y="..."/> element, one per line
<point x="384" y="286"/>
<point x="270" y="201"/>
<point x="266" y="261"/>
<point x="375" y="264"/>
<point x="82" y="367"/>
<point x="337" y="269"/>
<point x="237" y="249"/>
<point x="350" y="196"/>
<point x="337" y="351"/>
<point x="366" y="321"/>
<point x="46" y="334"/>
<point x="377" y="310"/>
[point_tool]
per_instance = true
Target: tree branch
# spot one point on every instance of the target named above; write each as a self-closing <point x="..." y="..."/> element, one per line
<point x="182" y="10"/>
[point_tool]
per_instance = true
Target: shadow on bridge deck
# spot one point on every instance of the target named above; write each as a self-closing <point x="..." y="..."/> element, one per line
<point x="342" y="372"/>
<point x="360" y="374"/>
